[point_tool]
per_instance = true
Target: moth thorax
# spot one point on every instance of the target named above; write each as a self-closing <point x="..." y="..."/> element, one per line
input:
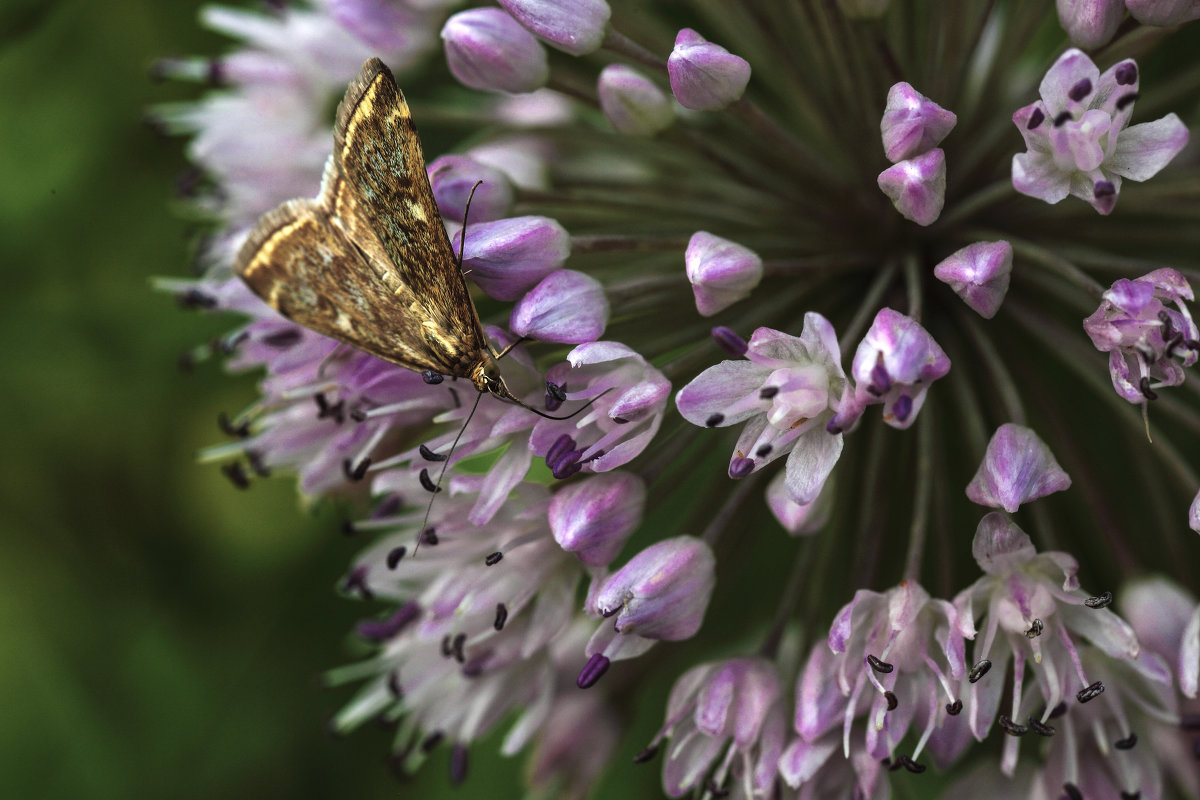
<point x="486" y="377"/>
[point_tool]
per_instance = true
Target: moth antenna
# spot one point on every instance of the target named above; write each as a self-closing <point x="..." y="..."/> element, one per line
<point x="506" y="350"/>
<point x="437" y="487"/>
<point x="544" y="415"/>
<point x="462" y="240"/>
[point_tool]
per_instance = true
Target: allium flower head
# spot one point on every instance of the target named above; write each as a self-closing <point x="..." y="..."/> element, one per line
<point x="704" y="239"/>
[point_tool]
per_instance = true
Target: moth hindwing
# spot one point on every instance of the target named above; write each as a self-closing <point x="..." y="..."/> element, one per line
<point x="368" y="261"/>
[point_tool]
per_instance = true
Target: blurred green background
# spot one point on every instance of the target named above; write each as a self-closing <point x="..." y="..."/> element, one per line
<point x="161" y="633"/>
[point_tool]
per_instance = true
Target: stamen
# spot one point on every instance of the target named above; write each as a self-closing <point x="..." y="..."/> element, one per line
<point x="501" y="616"/>
<point x="1104" y="189"/>
<point x="645" y="755"/>
<point x="493" y="558"/>
<point x="892" y="700"/>
<point x="979" y="670"/>
<point x="282" y="340"/>
<point x="555" y="396"/>
<point x="475" y="664"/>
<point x="230" y="343"/>
<point x="1100" y="601"/>
<point x="393" y="685"/>
<point x="394" y="555"/>
<point x="356" y="581"/>
<point x="729" y="341"/>
<point x="359" y="470"/>
<point x="902" y="407"/>
<point x="456" y="647"/>
<point x="1130" y="795"/>
<point x="1072" y="791"/>
<point x="1126" y="100"/>
<point x="1059" y="710"/>
<point x="429" y="455"/>
<point x="912" y="766"/>
<point x="195" y="299"/>
<point x="878" y="665"/>
<point x="458" y="764"/>
<point x="767" y="392"/>
<point x="432" y="378"/>
<point x="764" y="450"/>
<point x="1126" y="74"/>
<point x="1011" y="728"/>
<point x="239" y="431"/>
<point x="1144" y="388"/>
<point x="881" y="381"/>
<point x="446" y="649"/>
<point x="427" y="482"/>
<point x="714" y="420"/>
<point x="1035" y="630"/>
<point x="324" y="409"/>
<point x="741" y="467"/>
<point x="592" y="671"/>
<point x="1127" y="743"/>
<point x="955" y="708"/>
<point x="429" y="536"/>
<point x="381" y="630"/>
<point x="236" y="474"/>
<point x="1080" y="90"/>
<point x="1089" y="693"/>
<point x="432" y="741"/>
<point x="1062" y="119"/>
<point x="715" y="789"/>
<point x="1035" y="119"/>
<point x="1040" y="728"/>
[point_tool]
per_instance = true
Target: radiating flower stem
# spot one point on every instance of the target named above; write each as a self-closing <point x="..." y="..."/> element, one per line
<point x="922" y="492"/>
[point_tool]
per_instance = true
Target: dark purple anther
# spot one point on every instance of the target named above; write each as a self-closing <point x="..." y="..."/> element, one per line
<point x="1104" y="189"/>
<point x="741" y="467"/>
<point x="1040" y="728"/>
<point x="729" y="341"/>
<point x="427" y="482"/>
<point x="1127" y="743"/>
<point x="902" y="407"/>
<point x="194" y="298"/>
<point x="892" y="700"/>
<point x="1072" y="791"/>
<point x="1035" y="119"/>
<point x="493" y="559"/>
<point x="1080" y="90"/>
<point x="1126" y="74"/>
<point x="768" y="392"/>
<point x="429" y="455"/>
<point x="879" y="665"/>
<point x="914" y="767"/>
<point x="356" y="581"/>
<point x="592" y="671"/>
<point x="1099" y="601"/>
<point x="955" y="708"/>
<point x="979" y="670"/>
<point x="501" y="616"/>
<point x="1062" y="119"/>
<point x="645" y="755"/>
<point x="432" y="378"/>
<point x="282" y="340"/>
<point x="764" y="450"/>
<point x="881" y="381"/>
<point x="563" y="444"/>
<point x="1089" y="693"/>
<point x="394" y="555"/>
<point x="379" y="630"/>
<point x="1011" y="728"/>
<point x="236" y="474"/>
<point x="555" y="396"/>
<point x="1125" y="101"/>
<point x="356" y="472"/>
<point x="458" y="764"/>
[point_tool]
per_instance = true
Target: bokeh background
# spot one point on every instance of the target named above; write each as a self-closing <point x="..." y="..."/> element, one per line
<point x="162" y="634"/>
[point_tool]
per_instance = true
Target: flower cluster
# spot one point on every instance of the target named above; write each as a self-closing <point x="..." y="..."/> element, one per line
<point x="670" y="231"/>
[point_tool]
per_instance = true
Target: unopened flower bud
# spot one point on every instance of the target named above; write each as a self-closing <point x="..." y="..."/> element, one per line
<point x="1163" y="13"/>
<point x="1017" y="468"/>
<point x="798" y="519"/>
<point x="507" y="256"/>
<point x="979" y="274"/>
<point x="912" y="124"/>
<point x="917" y="186"/>
<point x="488" y="49"/>
<point x="1091" y="23"/>
<point x="663" y="592"/>
<point x="452" y="179"/>
<point x="593" y="517"/>
<point x="632" y="102"/>
<point x="705" y="76"/>
<point x="567" y="306"/>
<point x="721" y="272"/>
<point x="573" y="26"/>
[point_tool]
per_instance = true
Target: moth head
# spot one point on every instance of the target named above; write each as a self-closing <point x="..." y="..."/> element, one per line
<point x="486" y="377"/>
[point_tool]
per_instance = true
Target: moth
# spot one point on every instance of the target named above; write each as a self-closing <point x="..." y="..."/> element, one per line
<point x="368" y="262"/>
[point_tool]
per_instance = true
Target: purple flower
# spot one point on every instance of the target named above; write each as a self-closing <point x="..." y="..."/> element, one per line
<point x="575" y="745"/>
<point x="912" y="124"/>
<point x="1163" y="13"/>
<point x="725" y="721"/>
<point x="593" y="517"/>
<point x="452" y="179"/>
<point x="1194" y="514"/>
<point x="894" y="365"/>
<point x="721" y="272"/>
<point x="1076" y="136"/>
<point x="566" y="306"/>
<point x="632" y="102"/>
<point x="507" y="257"/>
<point x="660" y="594"/>
<point x="574" y="26"/>
<point x="917" y="186"/>
<point x="1017" y="468"/>
<point x="1091" y="23"/>
<point x="979" y="274"/>
<point x="487" y="49"/>
<point x="786" y="391"/>
<point x="1143" y="335"/>
<point x="618" y="425"/>
<point x="798" y="519"/>
<point x="705" y="76"/>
